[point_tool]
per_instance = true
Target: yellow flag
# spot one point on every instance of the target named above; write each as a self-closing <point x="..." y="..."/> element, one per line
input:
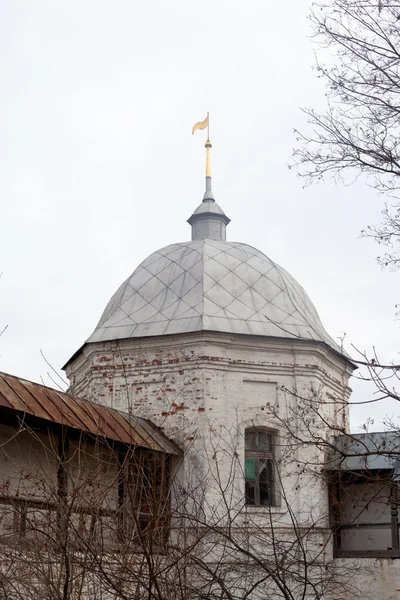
<point x="200" y="125"/>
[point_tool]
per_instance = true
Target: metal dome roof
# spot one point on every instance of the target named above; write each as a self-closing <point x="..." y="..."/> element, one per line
<point x="210" y="285"/>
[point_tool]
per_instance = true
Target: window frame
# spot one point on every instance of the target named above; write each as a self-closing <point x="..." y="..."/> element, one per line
<point x="258" y="453"/>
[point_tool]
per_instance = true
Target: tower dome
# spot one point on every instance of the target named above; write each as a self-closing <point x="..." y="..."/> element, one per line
<point x="210" y="285"/>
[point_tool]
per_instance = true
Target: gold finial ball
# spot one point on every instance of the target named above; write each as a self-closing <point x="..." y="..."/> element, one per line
<point x="208" y="144"/>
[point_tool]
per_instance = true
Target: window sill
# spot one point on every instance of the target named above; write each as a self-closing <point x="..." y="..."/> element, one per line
<point x="264" y="510"/>
<point x="367" y="554"/>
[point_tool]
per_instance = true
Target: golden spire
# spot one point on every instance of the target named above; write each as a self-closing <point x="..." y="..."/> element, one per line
<point x="208" y="145"/>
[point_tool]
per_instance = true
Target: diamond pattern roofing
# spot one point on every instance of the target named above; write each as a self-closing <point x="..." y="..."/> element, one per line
<point x="209" y="285"/>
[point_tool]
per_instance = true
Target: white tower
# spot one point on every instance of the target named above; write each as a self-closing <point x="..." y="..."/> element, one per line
<point x="223" y="349"/>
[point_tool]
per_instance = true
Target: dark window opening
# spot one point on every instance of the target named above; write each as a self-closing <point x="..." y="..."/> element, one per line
<point x="259" y="467"/>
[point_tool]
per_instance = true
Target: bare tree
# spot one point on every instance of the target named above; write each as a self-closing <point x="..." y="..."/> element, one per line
<point x="245" y="513"/>
<point x="358" y="56"/>
<point x="85" y="520"/>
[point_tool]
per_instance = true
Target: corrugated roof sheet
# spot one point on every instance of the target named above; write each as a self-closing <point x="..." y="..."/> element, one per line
<point x="59" y="407"/>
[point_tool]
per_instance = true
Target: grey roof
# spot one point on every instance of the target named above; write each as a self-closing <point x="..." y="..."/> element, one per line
<point x="209" y="285"/>
<point x="209" y="206"/>
<point x="361" y="451"/>
<point x="210" y="210"/>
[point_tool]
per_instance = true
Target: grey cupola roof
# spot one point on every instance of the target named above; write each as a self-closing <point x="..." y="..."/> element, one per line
<point x="208" y="221"/>
<point x="210" y="285"/>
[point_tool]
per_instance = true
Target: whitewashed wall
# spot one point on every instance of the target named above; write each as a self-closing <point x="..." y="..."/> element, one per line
<point x="202" y="389"/>
<point x="375" y="578"/>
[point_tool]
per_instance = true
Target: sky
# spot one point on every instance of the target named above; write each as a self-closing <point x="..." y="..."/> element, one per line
<point x="99" y="168"/>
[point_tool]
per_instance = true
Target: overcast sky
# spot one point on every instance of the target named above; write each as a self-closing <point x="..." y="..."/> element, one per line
<point x="99" y="167"/>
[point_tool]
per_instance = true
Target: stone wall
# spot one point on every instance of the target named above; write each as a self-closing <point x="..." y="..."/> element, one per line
<point x="203" y="389"/>
<point x="373" y="578"/>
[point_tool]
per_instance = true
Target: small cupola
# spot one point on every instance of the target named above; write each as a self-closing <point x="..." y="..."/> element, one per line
<point x="208" y="220"/>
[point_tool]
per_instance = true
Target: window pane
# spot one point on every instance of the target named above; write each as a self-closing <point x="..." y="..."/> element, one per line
<point x="250" y="469"/>
<point x="250" y="491"/>
<point x="250" y="439"/>
<point x="266" y="482"/>
<point x="262" y="440"/>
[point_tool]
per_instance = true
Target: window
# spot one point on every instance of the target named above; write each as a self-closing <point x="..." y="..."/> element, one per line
<point x="144" y="498"/>
<point x="365" y="513"/>
<point x="259" y="467"/>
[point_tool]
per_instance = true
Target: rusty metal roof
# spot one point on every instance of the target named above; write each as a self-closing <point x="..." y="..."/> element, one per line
<point x="59" y="407"/>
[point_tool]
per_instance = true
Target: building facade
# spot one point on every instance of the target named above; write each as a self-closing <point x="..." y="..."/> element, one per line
<point x="223" y="350"/>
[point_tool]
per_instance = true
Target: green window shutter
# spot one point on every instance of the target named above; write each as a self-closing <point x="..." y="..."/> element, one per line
<point x="250" y="469"/>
